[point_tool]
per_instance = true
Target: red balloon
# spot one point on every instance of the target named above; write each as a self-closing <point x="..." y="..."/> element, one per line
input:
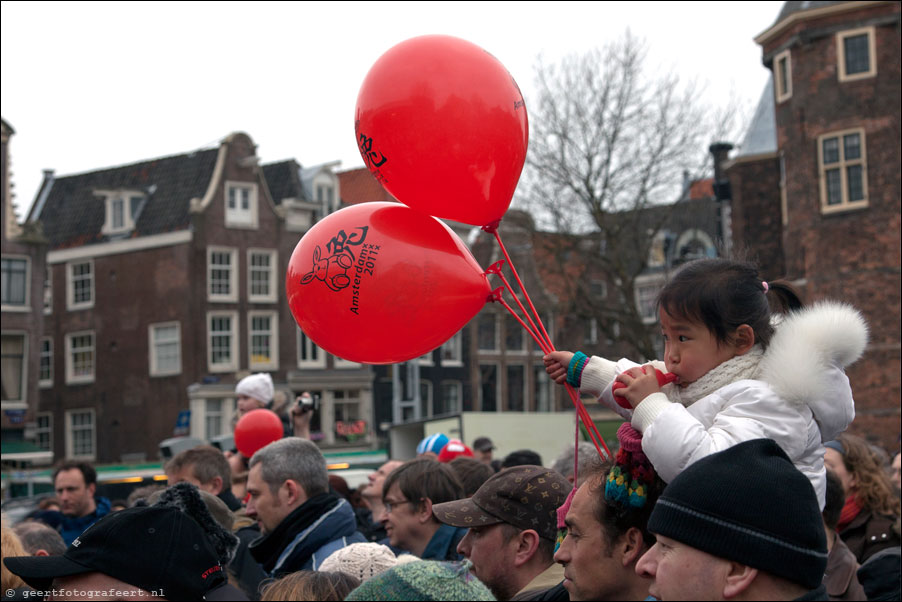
<point x="443" y="126"/>
<point x="257" y="429"/>
<point x="379" y="283"/>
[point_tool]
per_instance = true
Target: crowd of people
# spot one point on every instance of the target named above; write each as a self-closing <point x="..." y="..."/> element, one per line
<point x="735" y="480"/>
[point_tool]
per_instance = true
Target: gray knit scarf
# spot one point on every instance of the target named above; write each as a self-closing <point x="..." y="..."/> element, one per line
<point x="739" y="368"/>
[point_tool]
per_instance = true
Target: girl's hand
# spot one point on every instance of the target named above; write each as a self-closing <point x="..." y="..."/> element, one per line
<point x="556" y="364"/>
<point x="640" y="383"/>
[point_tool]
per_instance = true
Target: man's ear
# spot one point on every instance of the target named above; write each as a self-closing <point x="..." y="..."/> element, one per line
<point x="527" y="545"/>
<point x="292" y="493"/>
<point x="91" y="489"/>
<point x="632" y="546"/>
<point x="216" y="485"/>
<point x="738" y="580"/>
<point x="424" y="510"/>
<point x="743" y="339"/>
<point x="41" y="552"/>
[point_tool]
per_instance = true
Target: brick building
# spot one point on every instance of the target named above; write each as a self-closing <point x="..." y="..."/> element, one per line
<point x="816" y="186"/>
<point x="166" y="286"/>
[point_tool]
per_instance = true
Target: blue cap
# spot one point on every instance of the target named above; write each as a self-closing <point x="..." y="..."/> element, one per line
<point x="432" y="443"/>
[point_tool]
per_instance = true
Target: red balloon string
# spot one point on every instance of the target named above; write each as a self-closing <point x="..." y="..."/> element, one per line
<point x="540" y="336"/>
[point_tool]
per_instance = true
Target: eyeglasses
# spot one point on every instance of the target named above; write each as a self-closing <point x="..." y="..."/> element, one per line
<point x="389" y="506"/>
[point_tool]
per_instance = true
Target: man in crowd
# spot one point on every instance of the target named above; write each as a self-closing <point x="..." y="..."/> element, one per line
<point x="483" y="447"/>
<point x="408" y="496"/>
<point x="512" y="522"/>
<point x="371" y="493"/>
<point x="75" y="484"/>
<point x="206" y="468"/>
<point x="740" y="524"/>
<point x="142" y="553"/>
<point x="40" y="539"/>
<point x="300" y="520"/>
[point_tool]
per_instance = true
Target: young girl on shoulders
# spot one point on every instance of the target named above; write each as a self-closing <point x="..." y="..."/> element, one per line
<point x="740" y="373"/>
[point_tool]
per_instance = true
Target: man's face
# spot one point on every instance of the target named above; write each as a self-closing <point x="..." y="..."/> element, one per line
<point x="187" y="475"/>
<point x="400" y="519"/>
<point x="484" y="456"/>
<point x="492" y="558"/>
<point x="88" y="586"/>
<point x="264" y="506"/>
<point x="591" y="572"/>
<point x="75" y="498"/>
<point x="376" y="479"/>
<point x="679" y="572"/>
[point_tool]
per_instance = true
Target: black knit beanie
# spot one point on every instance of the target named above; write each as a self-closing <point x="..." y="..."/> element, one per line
<point x="747" y="504"/>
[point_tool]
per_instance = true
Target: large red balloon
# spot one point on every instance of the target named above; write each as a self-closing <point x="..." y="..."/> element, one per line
<point x="257" y="429"/>
<point x="380" y="283"/>
<point x="442" y="124"/>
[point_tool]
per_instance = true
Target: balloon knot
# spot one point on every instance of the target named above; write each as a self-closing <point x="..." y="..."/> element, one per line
<point x="495" y="268"/>
<point x="495" y="296"/>
<point x="492" y="226"/>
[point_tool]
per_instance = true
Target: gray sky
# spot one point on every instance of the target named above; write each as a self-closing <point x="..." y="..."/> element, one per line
<point x="92" y="85"/>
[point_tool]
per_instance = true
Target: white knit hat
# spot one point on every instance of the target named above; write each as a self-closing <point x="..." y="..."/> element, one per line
<point x="362" y="560"/>
<point x="259" y="386"/>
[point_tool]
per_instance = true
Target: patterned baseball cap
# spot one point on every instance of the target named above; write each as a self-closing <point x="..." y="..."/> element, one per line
<point x="526" y="497"/>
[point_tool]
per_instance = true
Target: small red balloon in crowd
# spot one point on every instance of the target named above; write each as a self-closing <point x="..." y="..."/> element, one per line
<point x="257" y="429"/>
<point x="442" y="125"/>
<point x="380" y="283"/>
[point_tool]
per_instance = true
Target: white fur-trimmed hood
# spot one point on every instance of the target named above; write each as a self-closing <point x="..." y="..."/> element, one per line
<point x="804" y="361"/>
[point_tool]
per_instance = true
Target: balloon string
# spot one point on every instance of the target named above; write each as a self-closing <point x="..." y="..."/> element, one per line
<point x="496" y="297"/>
<point x="495" y="269"/>
<point x="522" y="288"/>
<point x="591" y="429"/>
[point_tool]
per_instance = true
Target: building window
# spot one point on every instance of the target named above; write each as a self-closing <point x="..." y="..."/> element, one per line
<point x="425" y="399"/>
<point x="48" y="291"/>
<point x="80" y="434"/>
<point x="543" y="389"/>
<point x="213" y="418"/>
<point x="165" y="349"/>
<point x="45" y="363"/>
<point x="487" y="331"/>
<point x="427" y="359"/>
<point x="451" y="351"/>
<point x="855" y="53"/>
<point x="15" y="283"/>
<point x="222" y="341"/>
<point x="783" y="76"/>
<point x="842" y="160"/>
<point x="343" y="363"/>
<point x="13" y="367"/>
<point x="647" y="290"/>
<point x="309" y="354"/>
<point x="591" y="337"/>
<point x="263" y="337"/>
<point x="516" y="388"/>
<point x="261" y="276"/>
<point x="80" y="293"/>
<point x="222" y="266"/>
<point x="450" y="394"/>
<point x="43" y="432"/>
<point x="80" y="358"/>
<point x="488" y="387"/>
<point x="121" y="211"/>
<point x="325" y="196"/>
<point x="514" y="335"/>
<point x="241" y="205"/>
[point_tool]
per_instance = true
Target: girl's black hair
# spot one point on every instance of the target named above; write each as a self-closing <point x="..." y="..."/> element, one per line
<point x="723" y="294"/>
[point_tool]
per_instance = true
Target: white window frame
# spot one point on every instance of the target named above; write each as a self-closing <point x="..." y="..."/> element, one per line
<point x="154" y="340"/>
<point x="273" y="256"/>
<point x="232" y="295"/>
<point x="70" y="435"/>
<point x="644" y="281"/>
<point x="25" y="306"/>
<point x="781" y="95"/>
<point x="239" y="218"/>
<point x="45" y="383"/>
<point x="455" y="346"/>
<point x="71" y="303"/>
<point x="273" y="363"/>
<point x="23" y="383"/>
<point x="307" y="347"/>
<point x="39" y="430"/>
<point x="48" y="290"/>
<point x="232" y="365"/>
<point x="71" y="378"/>
<point x="128" y="218"/>
<point x="344" y="364"/>
<point x="198" y="407"/>
<point x="542" y="383"/>
<point x="841" y="54"/>
<point x="427" y="359"/>
<point x="842" y="165"/>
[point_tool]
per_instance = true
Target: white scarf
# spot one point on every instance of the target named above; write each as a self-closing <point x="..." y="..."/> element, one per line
<point x="738" y="368"/>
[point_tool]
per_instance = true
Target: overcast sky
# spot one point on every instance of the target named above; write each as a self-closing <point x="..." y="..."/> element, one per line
<point x="92" y="85"/>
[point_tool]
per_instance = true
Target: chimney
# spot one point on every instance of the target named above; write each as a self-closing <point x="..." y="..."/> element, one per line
<point x="721" y="152"/>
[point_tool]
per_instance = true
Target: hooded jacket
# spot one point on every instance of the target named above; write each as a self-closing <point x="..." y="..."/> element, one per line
<point x="72" y="527"/>
<point x="799" y="397"/>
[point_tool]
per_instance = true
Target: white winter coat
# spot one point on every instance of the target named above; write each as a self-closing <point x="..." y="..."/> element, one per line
<point x="800" y="398"/>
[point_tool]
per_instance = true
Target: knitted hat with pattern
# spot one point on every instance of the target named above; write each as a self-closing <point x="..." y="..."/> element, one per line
<point x="424" y="580"/>
<point x="361" y="560"/>
<point x="748" y="504"/>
